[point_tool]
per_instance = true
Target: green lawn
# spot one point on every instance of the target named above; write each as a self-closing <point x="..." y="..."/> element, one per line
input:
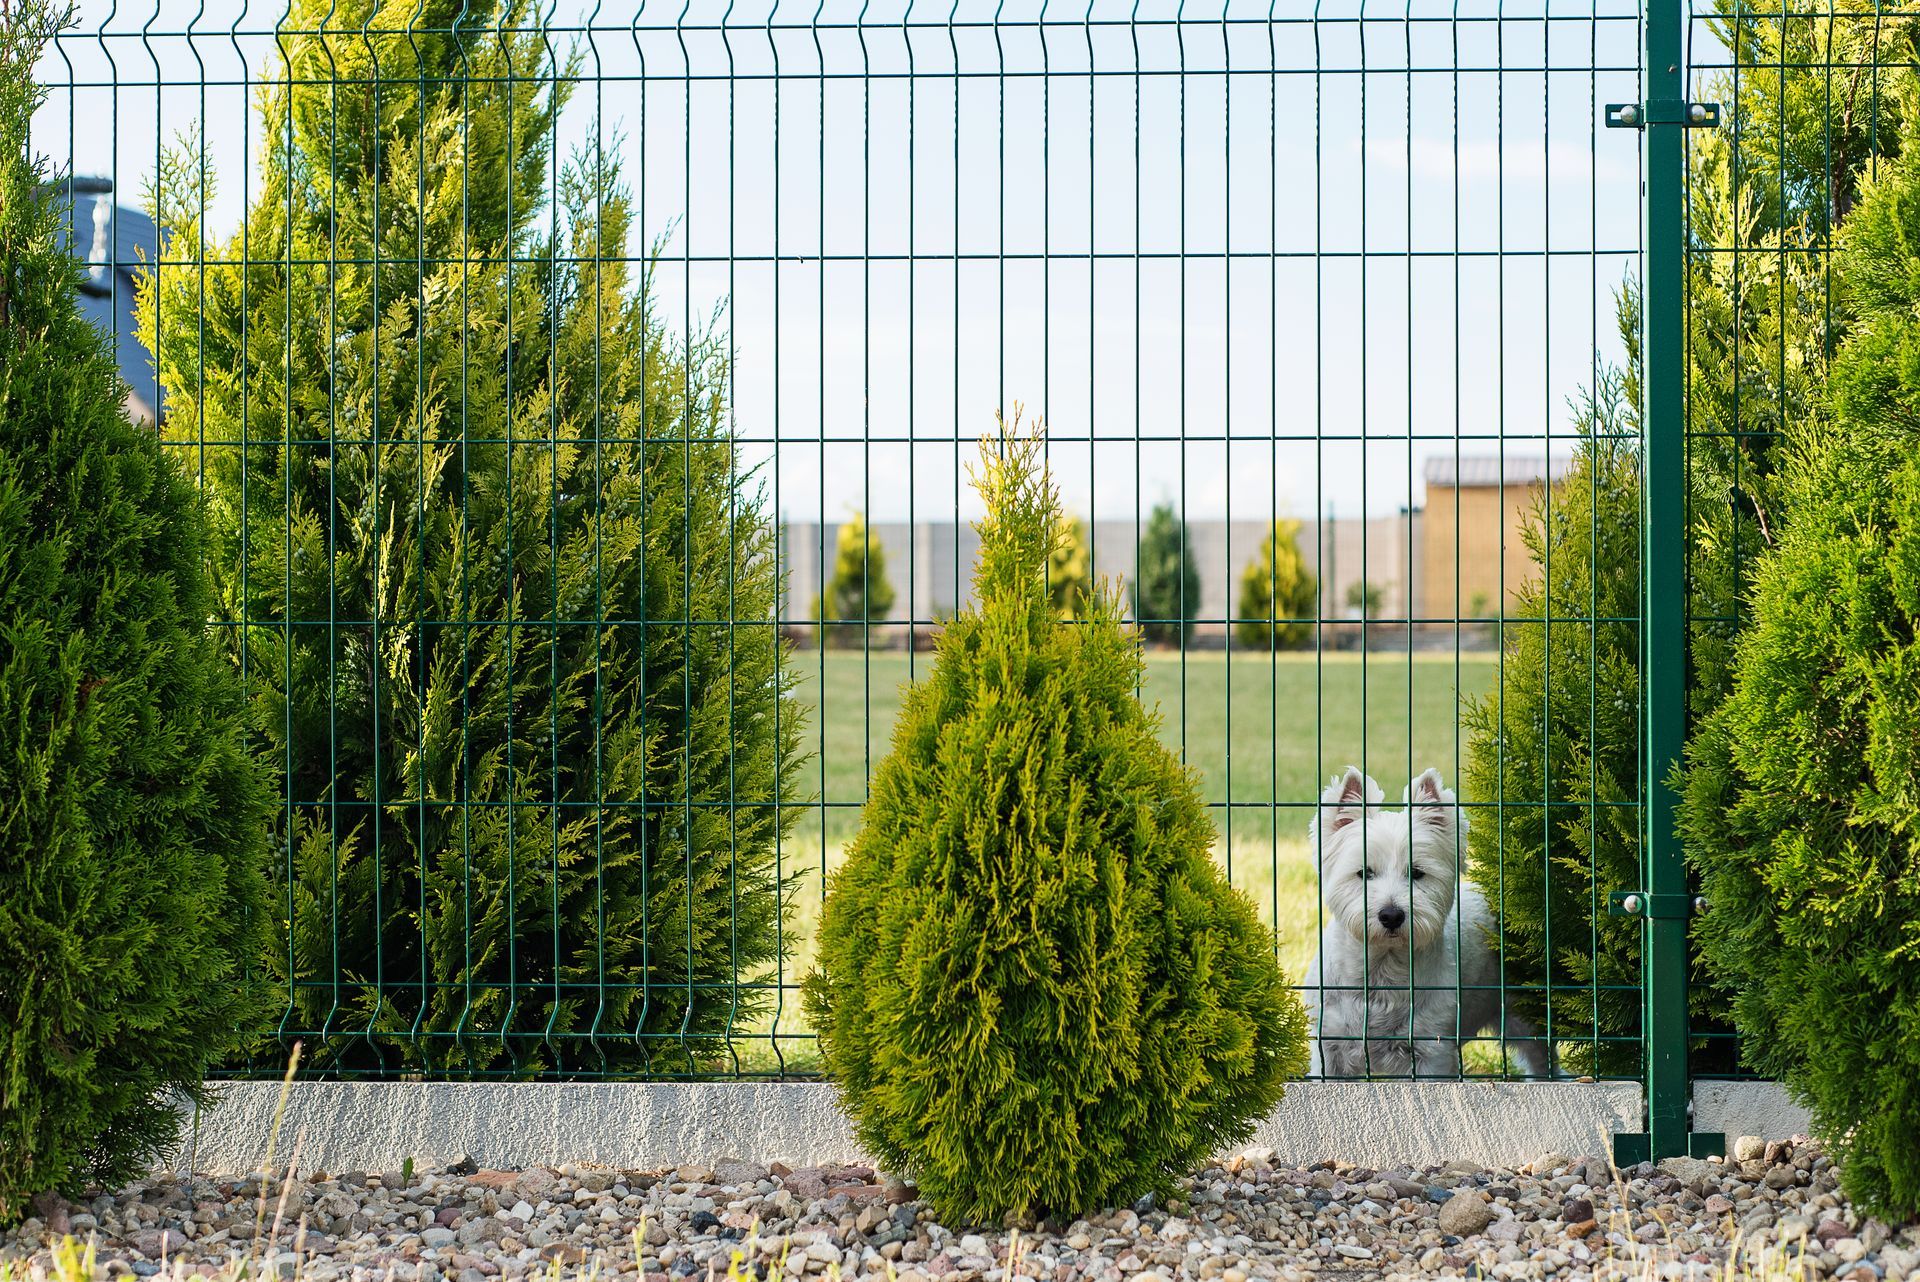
<point x="1285" y="723"/>
<point x="1294" y="721"/>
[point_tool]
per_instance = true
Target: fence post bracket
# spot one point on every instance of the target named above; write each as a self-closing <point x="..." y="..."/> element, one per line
<point x="1633" y="115"/>
<point x="1640" y="903"/>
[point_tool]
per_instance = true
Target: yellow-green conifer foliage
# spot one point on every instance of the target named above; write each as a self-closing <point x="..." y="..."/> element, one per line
<point x="1036" y="990"/>
<point x="1278" y="594"/>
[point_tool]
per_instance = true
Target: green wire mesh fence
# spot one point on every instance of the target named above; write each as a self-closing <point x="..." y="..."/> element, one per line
<point x="583" y="397"/>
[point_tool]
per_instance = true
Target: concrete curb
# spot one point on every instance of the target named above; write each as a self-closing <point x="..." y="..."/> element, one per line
<point x="373" y="1126"/>
<point x="1748" y="1108"/>
<point x="1384" y="1124"/>
<point x="379" y="1125"/>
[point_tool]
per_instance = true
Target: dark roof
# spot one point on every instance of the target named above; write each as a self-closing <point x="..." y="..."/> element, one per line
<point x="117" y="243"/>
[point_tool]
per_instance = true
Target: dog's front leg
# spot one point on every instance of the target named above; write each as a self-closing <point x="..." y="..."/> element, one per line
<point x="1529" y="1051"/>
<point x="1436" y="1059"/>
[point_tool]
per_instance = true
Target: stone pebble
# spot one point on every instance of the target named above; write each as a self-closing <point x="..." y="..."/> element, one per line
<point x="1774" y="1207"/>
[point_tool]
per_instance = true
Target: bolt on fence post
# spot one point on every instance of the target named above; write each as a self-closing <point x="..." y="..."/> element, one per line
<point x="1662" y="902"/>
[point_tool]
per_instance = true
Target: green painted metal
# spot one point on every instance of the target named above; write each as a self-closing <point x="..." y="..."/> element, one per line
<point x="1196" y="79"/>
<point x="1665" y="116"/>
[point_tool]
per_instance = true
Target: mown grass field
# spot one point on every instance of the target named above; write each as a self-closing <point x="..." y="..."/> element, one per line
<point x="1283" y="725"/>
<point x="1262" y="734"/>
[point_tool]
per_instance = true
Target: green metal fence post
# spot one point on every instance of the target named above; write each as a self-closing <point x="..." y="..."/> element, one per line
<point x="1661" y="900"/>
<point x="1663" y="592"/>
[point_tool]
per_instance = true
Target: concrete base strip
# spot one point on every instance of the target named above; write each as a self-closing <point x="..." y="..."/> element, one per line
<point x="341" y="1126"/>
<point x="1748" y="1108"/>
<point x="1385" y="1124"/>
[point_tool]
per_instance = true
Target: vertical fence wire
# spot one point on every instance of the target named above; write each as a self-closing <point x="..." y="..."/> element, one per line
<point x="735" y="316"/>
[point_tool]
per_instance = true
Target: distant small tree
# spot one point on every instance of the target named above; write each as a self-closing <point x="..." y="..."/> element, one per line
<point x="1278" y="594"/>
<point x="1364" y="596"/>
<point x="859" y="591"/>
<point x="1166" y="579"/>
<point x="1069" y="570"/>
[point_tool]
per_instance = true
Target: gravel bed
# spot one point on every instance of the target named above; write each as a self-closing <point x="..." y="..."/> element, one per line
<point x="1772" y="1209"/>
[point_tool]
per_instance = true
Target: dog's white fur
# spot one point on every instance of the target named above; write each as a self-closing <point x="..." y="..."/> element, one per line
<point x="1406" y="969"/>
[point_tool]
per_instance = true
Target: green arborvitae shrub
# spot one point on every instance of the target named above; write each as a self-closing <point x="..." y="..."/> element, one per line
<point x="1166" y="581"/>
<point x="1070" y="570"/>
<point x="1559" y="736"/>
<point x="859" y="592"/>
<point x="1801" y="812"/>
<point x="1279" y="596"/>
<point x="1036" y="990"/>
<point x="1821" y="139"/>
<point x="133" y="853"/>
<point x="1569" y="721"/>
<point x="448" y="495"/>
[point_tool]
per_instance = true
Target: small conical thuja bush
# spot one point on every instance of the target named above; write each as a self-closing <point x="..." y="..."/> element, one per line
<point x="1035" y="989"/>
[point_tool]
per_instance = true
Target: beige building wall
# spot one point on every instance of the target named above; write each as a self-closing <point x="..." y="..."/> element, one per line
<point x="930" y="564"/>
<point x="1460" y="556"/>
<point x="1473" y="560"/>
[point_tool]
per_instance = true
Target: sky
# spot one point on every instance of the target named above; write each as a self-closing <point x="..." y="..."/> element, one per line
<point x="1250" y="268"/>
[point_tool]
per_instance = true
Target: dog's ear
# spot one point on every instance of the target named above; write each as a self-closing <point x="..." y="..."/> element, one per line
<point x="1429" y="801"/>
<point x="1346" y="797"/>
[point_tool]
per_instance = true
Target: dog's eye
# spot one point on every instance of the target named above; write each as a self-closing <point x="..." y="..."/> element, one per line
<point x="1365" y="874"/>
<point x="1419" y="873"/>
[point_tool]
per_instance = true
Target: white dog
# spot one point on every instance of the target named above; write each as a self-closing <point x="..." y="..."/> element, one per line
<point x="1406" y="969"/>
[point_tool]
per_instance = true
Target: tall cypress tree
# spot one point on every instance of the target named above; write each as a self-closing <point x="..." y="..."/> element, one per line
<point x="1803" y="787"/>
<point x="133" y="904"/>
<point x="507" y="599"/>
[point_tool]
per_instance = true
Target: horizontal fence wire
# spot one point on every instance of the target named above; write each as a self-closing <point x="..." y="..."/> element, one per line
<point x="584" y="395"/>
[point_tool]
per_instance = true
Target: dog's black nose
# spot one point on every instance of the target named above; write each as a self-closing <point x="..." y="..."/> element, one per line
<point x="1393" y="917"/>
